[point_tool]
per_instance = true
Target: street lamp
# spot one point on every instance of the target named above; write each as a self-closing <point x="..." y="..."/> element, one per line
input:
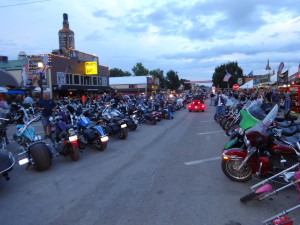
<point x="41" y="65"/>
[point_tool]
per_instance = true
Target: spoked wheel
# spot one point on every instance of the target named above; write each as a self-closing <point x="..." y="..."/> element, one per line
<point x="230" y="169"/>
<point x="223" y="121"/>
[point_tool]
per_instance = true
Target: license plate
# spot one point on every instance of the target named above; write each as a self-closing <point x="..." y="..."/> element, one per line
<point x="123" y="125"/>
<point x="104" y="139"/>
<point x="23" y="161"/>
<point x="73" y="138"/>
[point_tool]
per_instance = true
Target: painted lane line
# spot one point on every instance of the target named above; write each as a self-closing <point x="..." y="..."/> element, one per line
<point x="202" y="161"/>
<point x="212" y="132"/>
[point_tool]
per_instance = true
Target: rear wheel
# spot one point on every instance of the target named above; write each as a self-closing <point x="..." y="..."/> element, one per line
<point x="123" y="133"/>
<point x="133" y="127"/>
<point x="41" y="156"/>
<point x="227" y="124"/>
<point x="101" y="146"/>
<point x="230" y="169"/>
<point x="153" y="122"/>
<point x="74" y="153"/>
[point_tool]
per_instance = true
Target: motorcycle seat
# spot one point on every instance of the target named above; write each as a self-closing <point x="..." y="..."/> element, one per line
<point x="279" y="118"/>
<point x="287" y="124"/>
<point x="290" y="131"/>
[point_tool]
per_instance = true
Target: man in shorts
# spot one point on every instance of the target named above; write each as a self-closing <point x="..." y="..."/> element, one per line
<point x="47" y="106"/>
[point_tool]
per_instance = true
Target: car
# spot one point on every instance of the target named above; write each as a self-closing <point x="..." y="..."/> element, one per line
<point x="196" y="105"/>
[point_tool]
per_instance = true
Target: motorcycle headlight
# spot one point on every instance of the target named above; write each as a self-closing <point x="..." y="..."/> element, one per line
<point x="241" y="131"/>
<point x="123" y="125"/>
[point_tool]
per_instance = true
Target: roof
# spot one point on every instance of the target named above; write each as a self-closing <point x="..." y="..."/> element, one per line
<point x="6" y="79"/>
<point x="13" y="64"/>
<point x="128" y="80"/>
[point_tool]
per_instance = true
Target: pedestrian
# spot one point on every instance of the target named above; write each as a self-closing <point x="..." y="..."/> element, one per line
<point x="287" y="100"/>
<point x="220" y="102"/>
<point x="212" y="96"/>
<point x="275" y="97"/>
<point x="28" y="100"/>
<point x="47" y="106"/>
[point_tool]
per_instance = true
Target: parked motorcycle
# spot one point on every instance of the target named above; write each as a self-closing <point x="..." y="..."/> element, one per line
<point x="63" y="136"/>
<point x="93" y="135"/>
<point x="18" y="114"/>
<point x="266" y="152"/>
<point x="34" y="151"/>
<point x="7" y="160"/>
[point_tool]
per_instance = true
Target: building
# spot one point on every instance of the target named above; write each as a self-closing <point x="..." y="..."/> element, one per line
<point x="133" y="84"/>
<point x="65" y="71"/>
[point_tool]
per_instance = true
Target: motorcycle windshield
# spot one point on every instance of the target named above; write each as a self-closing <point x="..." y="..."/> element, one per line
<point x="256" y="111"/>
<point x="268" y="120"/>
<point x="251" y="115"/>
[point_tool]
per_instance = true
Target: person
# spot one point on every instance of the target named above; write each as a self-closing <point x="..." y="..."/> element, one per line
<point x="212" y="95"/>
<point x="28" y="100"/>
<point x="220" y="102"/>
<point x="275" y="99"/>
<point x="287" y="101"/>
<point x="47" y="106"/>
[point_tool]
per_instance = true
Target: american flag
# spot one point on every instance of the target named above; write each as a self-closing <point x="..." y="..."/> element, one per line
<point x="226" y="77"/>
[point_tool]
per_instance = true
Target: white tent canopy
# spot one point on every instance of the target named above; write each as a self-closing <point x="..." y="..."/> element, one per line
<point x="249" y="84"/>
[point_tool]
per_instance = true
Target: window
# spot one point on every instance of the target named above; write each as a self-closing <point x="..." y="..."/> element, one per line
<point x="76" y="79"/>
<point x="82" y="80"/>
<point x="69" y="78"/>
<point x="95" y="80"/>
<point x="99" y="81"/>
<point x="104" y="81"/>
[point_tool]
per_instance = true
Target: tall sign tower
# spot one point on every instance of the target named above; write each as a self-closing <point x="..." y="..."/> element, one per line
<point x="66" y="36"/>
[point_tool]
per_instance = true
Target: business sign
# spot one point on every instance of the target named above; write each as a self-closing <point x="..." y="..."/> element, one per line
<point x="91" y="68"/>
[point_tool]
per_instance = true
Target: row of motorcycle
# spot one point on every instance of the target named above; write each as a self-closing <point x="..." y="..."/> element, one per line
<point x="74" y="127"/>
<point x="263" y="145"/>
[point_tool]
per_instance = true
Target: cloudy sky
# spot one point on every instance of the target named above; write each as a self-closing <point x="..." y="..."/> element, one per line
<point x="191" y="37"/>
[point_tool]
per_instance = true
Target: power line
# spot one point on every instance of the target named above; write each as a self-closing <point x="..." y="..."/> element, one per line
<point x="25" y="3"/>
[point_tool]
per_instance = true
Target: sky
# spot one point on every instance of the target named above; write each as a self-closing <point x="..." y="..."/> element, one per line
<point x="190" y="37"/>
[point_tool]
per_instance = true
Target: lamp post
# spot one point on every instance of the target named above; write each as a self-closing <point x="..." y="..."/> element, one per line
<point x="40" y="65"/>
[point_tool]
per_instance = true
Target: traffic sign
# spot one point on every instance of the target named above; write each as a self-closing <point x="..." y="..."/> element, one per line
<point x="235" y="86"/>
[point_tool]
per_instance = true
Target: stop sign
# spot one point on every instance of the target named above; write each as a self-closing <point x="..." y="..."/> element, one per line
<point x="235" y="86"/>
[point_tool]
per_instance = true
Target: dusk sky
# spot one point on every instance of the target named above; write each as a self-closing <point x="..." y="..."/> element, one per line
<point x="190" y="37"/>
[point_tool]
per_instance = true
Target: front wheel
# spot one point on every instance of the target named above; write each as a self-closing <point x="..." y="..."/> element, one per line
<point x="153" y="122"/>
<point x="230" y="169"/>
<point x="74" y="153"/>
<point x="123" y="133"/>
<point x="249" y="197"/>
<point x="133" y="127"/>
<point x="231" y="129"/>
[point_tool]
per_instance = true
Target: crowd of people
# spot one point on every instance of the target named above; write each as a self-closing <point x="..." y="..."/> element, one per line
<point x="282" y="98"/>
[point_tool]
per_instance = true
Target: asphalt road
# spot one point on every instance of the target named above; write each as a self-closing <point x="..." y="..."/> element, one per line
<point x="169" y="173"/>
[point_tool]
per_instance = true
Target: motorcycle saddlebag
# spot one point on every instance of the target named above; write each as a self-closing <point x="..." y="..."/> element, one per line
<point x="115" y="127"/>
<point x="89" y="134"/>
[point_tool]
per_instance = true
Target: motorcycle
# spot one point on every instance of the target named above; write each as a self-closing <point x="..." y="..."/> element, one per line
<point x="144" y="115"/>
<point x="63" y="136"/>
<point x="7" y="160"/>
<point x="281" y="218"/>
<point x="93" y="135"/>
<point x="34" y="151"/>
<point x="266" y="152"/>
<point x="18" y="114"/>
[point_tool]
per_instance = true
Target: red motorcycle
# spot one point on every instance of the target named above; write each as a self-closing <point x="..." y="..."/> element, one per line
<point x="267" y="152"/>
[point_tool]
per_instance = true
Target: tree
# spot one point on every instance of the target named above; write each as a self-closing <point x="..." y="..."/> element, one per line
<point x="172" y="80"/>
<point x="220" y="71"/>
<point x="158" y="73"/>
<point x="140" y="70"/>
<point x="186" y="86"/>
<point x="115" y="72"/>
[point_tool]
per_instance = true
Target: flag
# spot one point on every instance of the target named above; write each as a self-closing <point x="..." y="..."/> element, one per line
<point x="226" y="77"/>
<point x="268" y="66"/>
<point x="250" y="74"/>
<point x="280" y="68"/>
<point x="25" y="72"/>
<point x="299" y="68"/>
<point x="283" y="78"/>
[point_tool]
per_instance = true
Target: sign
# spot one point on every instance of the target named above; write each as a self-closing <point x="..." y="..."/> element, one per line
<point x="195" y="82"/>
<point x="235" y="86"/>
<point x="240" y="81"/>
<point x="60" y="79"/>
<point x="91" y="68"/>
<point x="213" y="88"/>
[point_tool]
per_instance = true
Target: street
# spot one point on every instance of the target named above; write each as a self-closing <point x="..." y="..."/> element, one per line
<point x="169" y="173"/>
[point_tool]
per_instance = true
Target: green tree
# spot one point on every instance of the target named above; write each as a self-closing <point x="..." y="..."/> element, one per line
<point x="220" y="71"/>
<point x="115" y="72"/>
<point x="158" y="73"/>
<point x="172" y="80"/>
<point x="185" y="85"/>
<point x="140" y="70"/>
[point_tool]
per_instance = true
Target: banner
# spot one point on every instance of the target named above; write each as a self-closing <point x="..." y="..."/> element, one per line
<point x="260" y="79"/>
<point x="282" y="79"/>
